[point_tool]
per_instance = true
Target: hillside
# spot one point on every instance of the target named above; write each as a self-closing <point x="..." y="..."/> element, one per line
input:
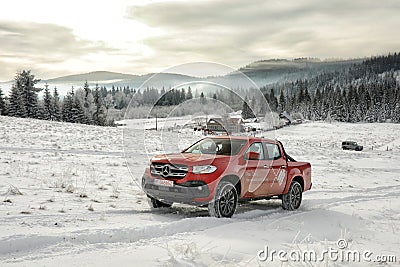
<point x="280" y="70"/>
<point x="113" y="78"/>
<point x="66" y="190"/>
<point x="261" y="72"/>
<point x="365" y="92"/>
<point x="92" y="77"/>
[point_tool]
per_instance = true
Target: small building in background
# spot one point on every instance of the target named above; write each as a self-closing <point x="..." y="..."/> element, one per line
<point x="295" y="118"/>
<point x="286" y="118"/>
<point x="225" y="124"/>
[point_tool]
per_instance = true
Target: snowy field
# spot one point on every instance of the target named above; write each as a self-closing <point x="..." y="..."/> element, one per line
<point x="68" y="199"/>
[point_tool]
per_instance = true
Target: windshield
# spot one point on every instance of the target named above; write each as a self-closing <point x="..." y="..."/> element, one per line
<point x="217" y="146"/>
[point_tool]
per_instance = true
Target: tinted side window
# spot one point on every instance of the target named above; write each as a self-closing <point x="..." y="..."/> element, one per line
<point x="272" y="151"/>
<point x="257" y="148"/>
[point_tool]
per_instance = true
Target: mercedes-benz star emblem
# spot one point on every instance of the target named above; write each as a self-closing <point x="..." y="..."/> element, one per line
<point x="166" y="170"/>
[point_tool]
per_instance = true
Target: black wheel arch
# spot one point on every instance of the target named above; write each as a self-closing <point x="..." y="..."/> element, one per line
<point x="300" y="180"/>
<point x="235" y="180"/>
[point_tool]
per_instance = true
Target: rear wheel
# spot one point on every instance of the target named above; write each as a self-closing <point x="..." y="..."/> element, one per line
<point x="224" y="202"/>
<point x="155" y="203"/>
<point x="292" y="200"/>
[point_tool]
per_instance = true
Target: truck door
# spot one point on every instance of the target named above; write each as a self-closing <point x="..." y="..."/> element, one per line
<point x="277" y="171"/>
<point x="256" y="171"/>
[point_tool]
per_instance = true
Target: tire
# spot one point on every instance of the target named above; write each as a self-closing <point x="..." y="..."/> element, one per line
<point x="292" y="200"/>
<point x="156" y="204"/>
<point x="225" y="201"/>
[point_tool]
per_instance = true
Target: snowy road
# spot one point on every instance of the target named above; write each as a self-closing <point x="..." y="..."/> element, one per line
<point x="79" y="205"/>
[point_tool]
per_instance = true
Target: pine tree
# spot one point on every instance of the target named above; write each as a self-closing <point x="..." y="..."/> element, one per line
<point x="98" y="115"/>
<point x="47" y="109"/>
<point x="40" y="111"/>
<point x="273" y="101"/>
<point x="306" y="110"/>
<point x="67" y="106"/>
<point x="182" y="96"/>
<point x="17" y="107"/>
<point x="87" y="92"/>
<point x="77" y="113"/>
<point x="25" y="83"/>
<point x="109" y="103"/>
<point x="396" y="112"/>
<point x="23" y="97"/>
<point x="202" y="98"/>
<point x="307" y="97"/>
<point x="315" y="111"/>
<point x="175" y="95"/>
<point x="86" y="102"/>
<point x="247" y="113"/>
<point x="282" y="102"/>
<point x="189" y="93"/>
<point x="56" y="105"/>
<point x="2" y="104"/>
<point x="168" y="99"/>
<point x="300" y="98"/>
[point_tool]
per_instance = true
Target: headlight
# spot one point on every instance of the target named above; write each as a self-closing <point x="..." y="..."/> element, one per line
<point x="204" y="169"/>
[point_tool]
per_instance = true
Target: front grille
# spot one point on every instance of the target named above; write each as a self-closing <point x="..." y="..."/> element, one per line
<point x="168" y="170"/>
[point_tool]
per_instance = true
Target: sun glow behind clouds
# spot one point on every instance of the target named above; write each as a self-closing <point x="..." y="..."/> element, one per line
<point x="89" y="19"/>
<point x="103" y="23"/>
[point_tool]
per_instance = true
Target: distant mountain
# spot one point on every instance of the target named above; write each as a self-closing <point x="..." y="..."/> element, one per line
<point x="155" y="80"/>
<point x="92" y="77"/>
<point x="117" y="79"/>
<point x="279" y="70"/>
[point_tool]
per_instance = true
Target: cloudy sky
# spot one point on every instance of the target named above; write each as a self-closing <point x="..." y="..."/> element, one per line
<point x="55" y="38"/>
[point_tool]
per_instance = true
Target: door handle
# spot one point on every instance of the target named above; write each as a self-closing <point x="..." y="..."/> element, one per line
<point x="267" y="167"/>
<point x="283" y="166"/>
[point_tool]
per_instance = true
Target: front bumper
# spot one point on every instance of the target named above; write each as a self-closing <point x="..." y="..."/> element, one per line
<point x="177" y="193"/>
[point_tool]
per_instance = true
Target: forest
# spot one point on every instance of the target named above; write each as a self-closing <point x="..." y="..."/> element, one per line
<point x="366" y="92"/>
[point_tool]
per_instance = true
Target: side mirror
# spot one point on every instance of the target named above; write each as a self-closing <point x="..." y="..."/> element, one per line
<point x="253" y="155"/>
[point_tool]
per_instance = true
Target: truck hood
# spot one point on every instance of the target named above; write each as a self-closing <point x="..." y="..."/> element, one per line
<point x="189" y="159"/>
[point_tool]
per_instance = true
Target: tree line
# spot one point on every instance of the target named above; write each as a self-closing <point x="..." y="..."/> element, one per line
<point x="85" y="105"/>
<point x="366" y="92"/>
<point x="96" y="106"/>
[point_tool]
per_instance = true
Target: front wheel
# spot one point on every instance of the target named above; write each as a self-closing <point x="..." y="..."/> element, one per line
<point x="155" y="203"/>
<point x="224" y="202"/>
<point x="292" y="200"/>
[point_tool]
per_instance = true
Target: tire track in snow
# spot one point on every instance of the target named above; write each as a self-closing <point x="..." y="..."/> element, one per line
<point x="356" y="190"/>
<point x="369" y="194"/>
<point x="21" y="245"/>
<point x="66" y="151"/>
<point x="17" y="246"/>
<point x="120" y="153"/>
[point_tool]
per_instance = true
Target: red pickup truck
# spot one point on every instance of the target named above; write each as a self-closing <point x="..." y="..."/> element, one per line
<point x="218" y="172"/>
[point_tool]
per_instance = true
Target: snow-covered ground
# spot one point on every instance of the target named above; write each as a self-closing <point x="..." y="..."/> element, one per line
<point x="68" y="199"/>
